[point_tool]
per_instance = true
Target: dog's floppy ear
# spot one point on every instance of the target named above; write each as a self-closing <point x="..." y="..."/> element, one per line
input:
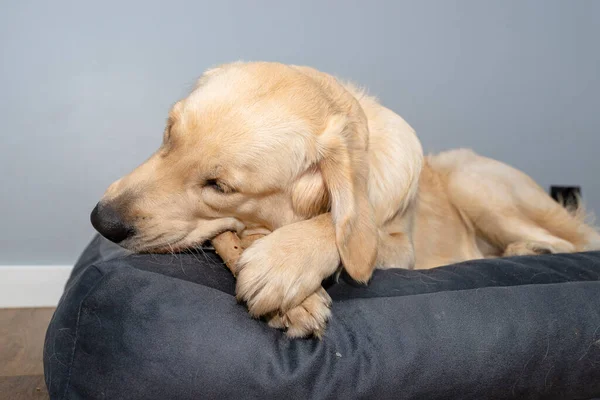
<point x="342" y="149"/>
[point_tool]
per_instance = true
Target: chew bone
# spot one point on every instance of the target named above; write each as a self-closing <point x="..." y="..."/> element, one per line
<point x="229" y="247"/>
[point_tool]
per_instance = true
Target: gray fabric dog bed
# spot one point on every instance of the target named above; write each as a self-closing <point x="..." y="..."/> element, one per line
<point x="169" y="327"/>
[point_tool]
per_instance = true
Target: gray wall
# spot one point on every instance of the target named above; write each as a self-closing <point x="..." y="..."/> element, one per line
<point x="85" y="88"/>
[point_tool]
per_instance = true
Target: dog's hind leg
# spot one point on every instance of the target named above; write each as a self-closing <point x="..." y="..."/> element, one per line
<point x="509" y="209"/>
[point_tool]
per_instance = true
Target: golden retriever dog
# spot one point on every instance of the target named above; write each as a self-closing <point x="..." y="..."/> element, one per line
<point x="333" y="179"/>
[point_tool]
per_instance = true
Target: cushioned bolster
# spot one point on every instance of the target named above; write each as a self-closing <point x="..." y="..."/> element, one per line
<point x="512" y="271"/>
<point x="206" y="268"/>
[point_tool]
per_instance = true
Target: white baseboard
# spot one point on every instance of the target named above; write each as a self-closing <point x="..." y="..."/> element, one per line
<point x="32" y="285"/>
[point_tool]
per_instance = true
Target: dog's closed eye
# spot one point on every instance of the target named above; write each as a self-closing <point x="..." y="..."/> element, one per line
<point x="218" y="186"/>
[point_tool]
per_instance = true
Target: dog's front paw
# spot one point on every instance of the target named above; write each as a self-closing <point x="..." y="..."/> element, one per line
<point x="279" y="271"/>
<point x="272" y="277"/>
<point x="308" y="318"/>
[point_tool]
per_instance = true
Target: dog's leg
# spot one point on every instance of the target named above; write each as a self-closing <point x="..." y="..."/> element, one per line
<point x="285" y="269"/>
<point x="509" y="209"/>
<point x="518" y="235"/>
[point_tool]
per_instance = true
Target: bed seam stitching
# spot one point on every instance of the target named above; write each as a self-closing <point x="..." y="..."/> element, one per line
<point x="77" y="329"/>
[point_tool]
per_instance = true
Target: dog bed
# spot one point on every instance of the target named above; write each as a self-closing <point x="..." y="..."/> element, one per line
<point x="168" y="327"/>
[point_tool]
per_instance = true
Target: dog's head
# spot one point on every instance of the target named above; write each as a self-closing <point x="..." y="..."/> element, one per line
<point x="255" y="146"/>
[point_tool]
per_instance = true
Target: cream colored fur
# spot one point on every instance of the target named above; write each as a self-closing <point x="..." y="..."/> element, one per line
<point x="334" y="178"/>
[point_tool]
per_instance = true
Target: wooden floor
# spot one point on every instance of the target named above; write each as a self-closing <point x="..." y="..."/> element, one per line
<point x="22" y="332"/>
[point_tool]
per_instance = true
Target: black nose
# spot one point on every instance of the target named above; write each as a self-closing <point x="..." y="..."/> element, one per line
<point x="109" y="224"/>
